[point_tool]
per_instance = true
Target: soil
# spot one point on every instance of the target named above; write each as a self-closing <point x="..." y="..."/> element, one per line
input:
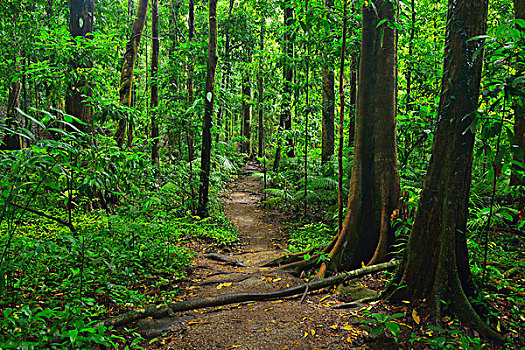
<point x="279" y="324"/>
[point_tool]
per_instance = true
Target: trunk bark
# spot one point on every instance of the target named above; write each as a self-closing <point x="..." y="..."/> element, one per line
<point x="126" y="76"/>
<point x="435" y="266"/>
<point x="341" y="122"/>
<point x="328" y="132"/>
<point x="246" y="143"/>
<point x="202" y="209"/>
<point x="353" y="99"/>
<point x="367" y="234"/>
<point x="260" y="88"/>
<point x="80" y="25"/>
<point x="154" y="82"/>
<point x="12" y="141"/>
<point x="191" y="71"/>
<point x="410" y="58"/>
<point x="518" y="176"/>
<point x="285" y="120"/>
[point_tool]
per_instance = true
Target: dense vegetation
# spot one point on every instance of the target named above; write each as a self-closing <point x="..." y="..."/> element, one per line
<point x="105" y="124"/>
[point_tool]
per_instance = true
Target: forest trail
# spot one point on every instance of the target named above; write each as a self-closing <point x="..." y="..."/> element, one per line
<point x="278" y="324"/>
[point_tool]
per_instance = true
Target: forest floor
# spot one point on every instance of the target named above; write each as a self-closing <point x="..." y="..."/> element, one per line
<point x="309" y="321"/>
<point x="278" y="324"/>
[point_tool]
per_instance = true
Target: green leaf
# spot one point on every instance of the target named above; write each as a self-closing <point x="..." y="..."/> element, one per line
<point x="73" y="335"/>
<point x="393" y="327"/>
<point x="381" y="22"/>
<point x="209" y="96"/>
<point x="478" y="37"/>
<point x="377" y="331"/>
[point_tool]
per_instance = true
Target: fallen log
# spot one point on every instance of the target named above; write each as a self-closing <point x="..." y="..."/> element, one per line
<point x="221" y="300"/>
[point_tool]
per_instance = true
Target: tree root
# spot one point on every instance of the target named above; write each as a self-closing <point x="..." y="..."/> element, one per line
<point x="289" y="259"/>
<point x="220" y="300"/>
<point x="225" y="259"/>
<point x="357" y="303"/>
<point x="227" y="281"/>
<point x="463" y="309"/>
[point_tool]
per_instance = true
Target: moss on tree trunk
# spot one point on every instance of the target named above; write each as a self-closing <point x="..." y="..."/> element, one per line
<point x="126" y="75"/>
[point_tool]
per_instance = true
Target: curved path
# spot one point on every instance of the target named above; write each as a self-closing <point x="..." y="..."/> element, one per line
<point x="280" y="324"/>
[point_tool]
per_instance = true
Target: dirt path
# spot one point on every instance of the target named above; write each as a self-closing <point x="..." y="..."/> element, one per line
<point x="280" y="324"/>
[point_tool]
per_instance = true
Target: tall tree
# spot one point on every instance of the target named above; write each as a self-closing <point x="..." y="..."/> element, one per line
<point x="328" y="133"/>
<point x="246" y="143"/>
<point x="410" y="63"/>
<point x="519" y="116"/>
<point x="202" y="209"/>
<point x="80" y="25"/>
<point x="285" y="120"/>
<point x="367" y="233"/>
<point x="126" y="75"/>
<point x="223" y="112"/>
<point x="260" y="89"/>
<point x="191" y="72"/>
<point x="11" y="141"/>
<point x="435" y="266"/>
<point x="341" y="121"/>
<point x="154" y="81"/>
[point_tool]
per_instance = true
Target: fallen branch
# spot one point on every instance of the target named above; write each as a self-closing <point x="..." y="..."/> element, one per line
<point x="221" y="300"/>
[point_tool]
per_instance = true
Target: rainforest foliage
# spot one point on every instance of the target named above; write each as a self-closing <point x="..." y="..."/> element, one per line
<point x="122" y="121"/>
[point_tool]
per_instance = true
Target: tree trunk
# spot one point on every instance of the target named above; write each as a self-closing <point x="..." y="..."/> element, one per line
<point x="222" y="115"/>
<point x="285" y="120"/>
<point x="367" y="234"/>
<point x="410" y="57"/>
<point x="518" y="176"/>
<point x="12" y="141"/>
<point x="260" y="88"/>
<point x="126" y="76"/>
<point x="246" y="143"/>
<point x="435" y="266"/>
<point x="209" y="97"/>
<point x="154" y="82"/>
<point x="327" y="147"/>
<point x="341" y="121"/>
<point x="80" y="25"/>
<point x="191" y="71"/>
<point x="353" y="99"/>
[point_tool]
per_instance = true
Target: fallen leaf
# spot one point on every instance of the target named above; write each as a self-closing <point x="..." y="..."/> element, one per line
<point x="324" y="298"/>
<point x="415" y="316"/>
<point x="227" y="284"/>
<point x="347" y="327"/>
